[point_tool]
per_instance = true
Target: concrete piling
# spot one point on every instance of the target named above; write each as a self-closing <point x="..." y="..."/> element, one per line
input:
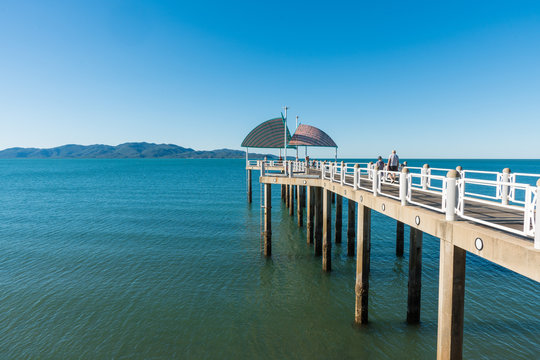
<point x="249" y="186"/>
<point x="299" y="209"/>
<point x="310" y="201"/>
<point x="339" y="217"/>
<point x="400" y="234"/>
<point x="451" y="302"/>
<point x="267" y="229"/>
<point x="291" y="200"/>
<point x="318" y="221"/>
<point x="415" y="276"/>
<point x="351" y="215"/>
<point x="327" y="231"/>
<point x="363" y="249"/>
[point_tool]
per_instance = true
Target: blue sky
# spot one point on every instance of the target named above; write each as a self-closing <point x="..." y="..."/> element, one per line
<point x="430" y="79"/>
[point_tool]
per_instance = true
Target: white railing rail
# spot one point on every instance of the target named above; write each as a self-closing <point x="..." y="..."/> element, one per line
<point x="506" y="190"/>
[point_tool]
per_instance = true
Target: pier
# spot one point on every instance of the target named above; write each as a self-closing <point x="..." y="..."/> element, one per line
<point x="494" y="218"/>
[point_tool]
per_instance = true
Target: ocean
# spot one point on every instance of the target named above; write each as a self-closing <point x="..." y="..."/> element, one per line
<point x="160" y="259"/>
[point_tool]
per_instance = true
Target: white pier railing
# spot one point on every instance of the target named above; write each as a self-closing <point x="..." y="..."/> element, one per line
<point x="499" y="190"/>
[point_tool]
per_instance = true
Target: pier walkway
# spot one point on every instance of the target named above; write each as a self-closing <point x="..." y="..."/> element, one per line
<point x="489" y="214"/>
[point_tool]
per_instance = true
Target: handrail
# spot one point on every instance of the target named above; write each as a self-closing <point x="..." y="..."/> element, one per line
<point x="465" y="187"/>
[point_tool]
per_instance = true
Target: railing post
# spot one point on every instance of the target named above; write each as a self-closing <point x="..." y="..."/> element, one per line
<point x="504" y="189"/>
<point x="403" y="185"/>
<point x="451" y="194"/>
<point x="537" y="227"/>
<point x="375" y="181"/>
<point x="342" y="177"/>
<point x="370" y="166"/>
<point x="289" y="165"/>
<point x="425" y="173"/>
<point x="356" y="176"/>
<point x="263" y="166"/>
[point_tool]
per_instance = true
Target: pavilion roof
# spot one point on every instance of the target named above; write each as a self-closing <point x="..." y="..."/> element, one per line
<point x="307" y="135"/>
<point x="269" y="134"/>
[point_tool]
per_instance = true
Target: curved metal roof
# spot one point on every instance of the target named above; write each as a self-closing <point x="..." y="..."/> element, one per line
<point x="307" y="135"/>
<point x="269" y="134"/>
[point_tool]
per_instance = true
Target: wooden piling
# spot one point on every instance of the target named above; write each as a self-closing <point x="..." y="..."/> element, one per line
<point x="363" y="249"/>
<point x="351" y="217"/>
<point x="339" y="217"/>
<point x="291" y="200"/>
<point x="318" y="221"/>
<point x="333" y="198"/>
<point x="310" y="201"/>
<point x="267" y="230"/>
<point x="451" y="302"/>
<point x="283" y="191"/>
<point x="287" y="195"/>
<point x="249" y="186"/>
<point x="327" y="231"/>
<point x="400" y="234"/>
<point x="415" y="276"/>
<point x="299" y="210"/>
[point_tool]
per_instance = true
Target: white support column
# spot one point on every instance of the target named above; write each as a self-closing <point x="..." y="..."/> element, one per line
<point x="290" y="168"/>
<point x="537" y="229"/>
<point x="342" y="177"/>
<point x="403" y="177"/>
<point x="356" y="177"/>
<point x="504" y="189"/>
<point x="451" y="194"/>
<point x="425" y="174"/>
<point x="375" y="181"/>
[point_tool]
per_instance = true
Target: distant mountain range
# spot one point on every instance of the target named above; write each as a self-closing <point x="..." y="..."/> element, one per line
<point x="134" y="150"/>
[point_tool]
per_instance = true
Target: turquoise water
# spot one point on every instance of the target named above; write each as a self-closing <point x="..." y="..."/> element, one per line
<point x="161" y="259"/>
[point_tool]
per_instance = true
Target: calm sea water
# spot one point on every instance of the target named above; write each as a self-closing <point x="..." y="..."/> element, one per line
<point x="161" y="259"/>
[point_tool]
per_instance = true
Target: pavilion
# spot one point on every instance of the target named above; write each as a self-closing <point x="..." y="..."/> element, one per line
<point x="271" y="135"/>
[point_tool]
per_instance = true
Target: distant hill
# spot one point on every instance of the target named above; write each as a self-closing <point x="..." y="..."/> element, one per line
<point x="134" y="150"/>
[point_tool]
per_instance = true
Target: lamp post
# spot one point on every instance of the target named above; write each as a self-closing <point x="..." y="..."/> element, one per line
<point x="295" y="132"/>
<point x="285" y="135"/>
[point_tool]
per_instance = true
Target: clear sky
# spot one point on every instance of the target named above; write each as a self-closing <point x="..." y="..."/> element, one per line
<point x="430" y="78"/>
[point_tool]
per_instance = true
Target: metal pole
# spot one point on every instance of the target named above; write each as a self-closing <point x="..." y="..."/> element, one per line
<point x="295" y="132"/>
<point x="285" y="131"/>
